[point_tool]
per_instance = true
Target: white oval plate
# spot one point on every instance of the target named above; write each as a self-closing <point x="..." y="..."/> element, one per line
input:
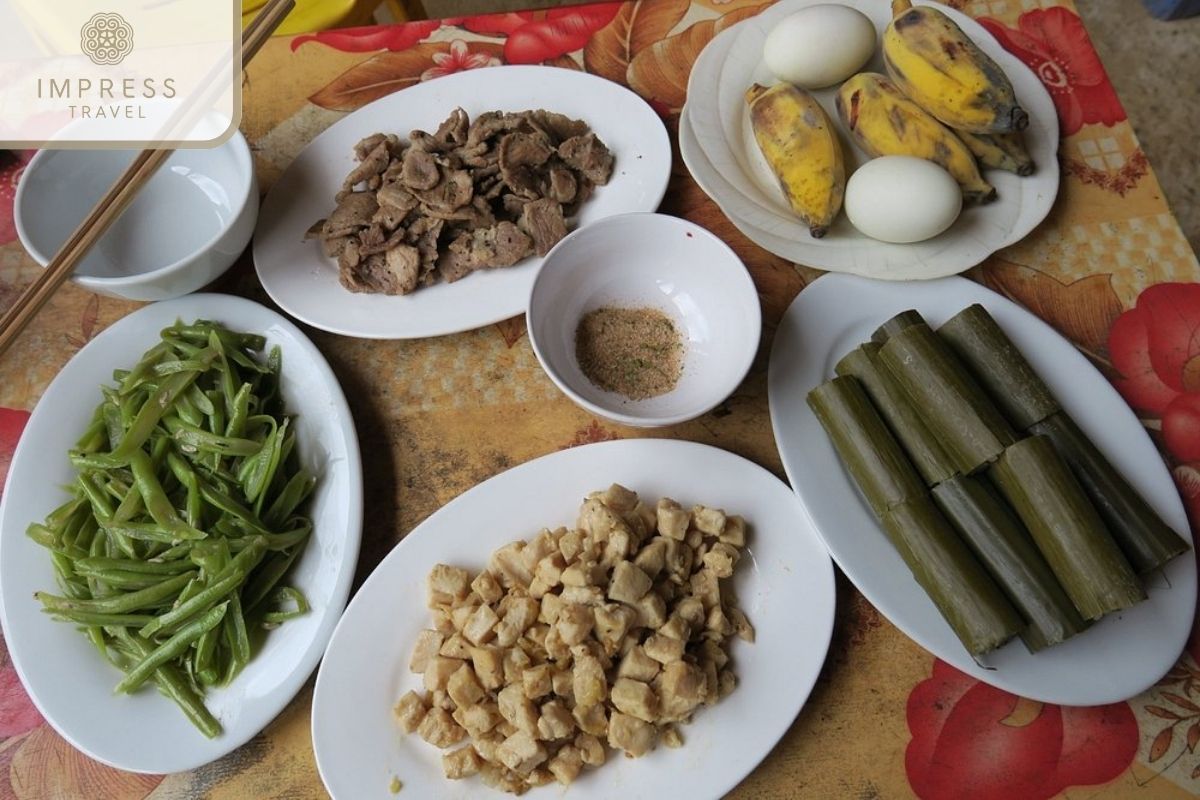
<point x="1115" y="659"/>
<point x="748" y="190"/>
<point x="785" y="585"/>
<point x="305" y="283"/>
<point x="66" y="678"/>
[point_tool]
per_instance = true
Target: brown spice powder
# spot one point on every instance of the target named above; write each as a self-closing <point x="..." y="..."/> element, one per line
<point x="635" y="352"/>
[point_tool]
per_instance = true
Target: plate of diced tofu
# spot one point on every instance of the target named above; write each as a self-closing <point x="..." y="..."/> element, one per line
<point x="641" y="618"/>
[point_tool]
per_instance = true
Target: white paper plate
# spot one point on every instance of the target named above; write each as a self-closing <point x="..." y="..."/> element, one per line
<point x="305" y="283"/>
<point x="1115" y="659"/>
<point x="746" y="189"/>
<point x="66" y="678"/>
<point x="784" y="583"/>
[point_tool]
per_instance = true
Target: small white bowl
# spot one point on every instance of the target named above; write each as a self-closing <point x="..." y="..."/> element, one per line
<point x="182" y="230"/>
<point x="657" y="261"/>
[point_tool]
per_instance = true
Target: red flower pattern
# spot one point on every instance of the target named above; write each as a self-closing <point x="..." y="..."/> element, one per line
<point x="970" y="739"/>
<point x="1155" y="346"/>
<point x="457" y="59"/>
<point x="373" y="37"/>
<point x="1056" y="47"/>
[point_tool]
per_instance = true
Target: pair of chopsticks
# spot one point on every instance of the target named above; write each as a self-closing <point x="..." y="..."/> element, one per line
<point x="117" y="199"/>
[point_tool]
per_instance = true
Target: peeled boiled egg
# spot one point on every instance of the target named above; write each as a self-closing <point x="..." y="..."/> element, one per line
<point x="902" y="199"/>
<point x="819" y="46"/>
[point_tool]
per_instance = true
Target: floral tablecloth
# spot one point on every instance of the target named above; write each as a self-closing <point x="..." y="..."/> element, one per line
<point x="1109" y="269"/>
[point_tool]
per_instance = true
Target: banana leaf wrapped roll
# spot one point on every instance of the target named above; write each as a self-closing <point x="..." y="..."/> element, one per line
<point x="957" y="410"/>
<point x="1003" y="546"/>
<point x="1147" y="541"/>
<point x="873" y="457"/>
<point x="999" y="366"/>
<point x="968" y="598"/>
<point x="1066" y="528"/>
<point x="905" y="319"/>
<point x="925" y="452"/>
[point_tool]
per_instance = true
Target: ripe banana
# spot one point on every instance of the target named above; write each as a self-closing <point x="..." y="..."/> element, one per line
<point x="934" y="62"/>
<point x="884" y="122"/>
<point x="1000" y="151"/>
<point x="801" y="145"/>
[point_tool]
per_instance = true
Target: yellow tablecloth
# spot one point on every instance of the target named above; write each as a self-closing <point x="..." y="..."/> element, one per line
<point x="1109" y="269"/>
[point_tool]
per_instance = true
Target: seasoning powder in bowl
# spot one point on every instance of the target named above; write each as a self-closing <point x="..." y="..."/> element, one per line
<point x="635" y="352"/>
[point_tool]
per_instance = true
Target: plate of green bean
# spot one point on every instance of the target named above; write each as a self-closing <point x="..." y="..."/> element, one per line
<point x="178" y="532"/>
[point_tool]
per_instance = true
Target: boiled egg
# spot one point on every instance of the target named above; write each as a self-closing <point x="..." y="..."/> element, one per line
<point x="819" y="46"/>
<point x="902" y="199"/>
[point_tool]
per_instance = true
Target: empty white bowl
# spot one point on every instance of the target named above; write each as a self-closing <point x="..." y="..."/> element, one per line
<point x="657" y="261"/>
<point x="185" y="227"/>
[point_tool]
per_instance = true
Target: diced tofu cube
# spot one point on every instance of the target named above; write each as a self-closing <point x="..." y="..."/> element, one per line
<point x="582" y="573"/>
<point x="439" y="729"/>
<point x="735" y="531"/>
<point x="427" y="646"/>
<point x="550" y="569"/>
<point x="691" y="610"/>
<point x="521" y="752"/>
<point x="634" y="698"/>
<point x="461" y="615"/>
<point x="438" y="698"/>
<point x="538" y="588"/>
<point x="598" y="520"/>
<point x="612" y="622"/>
<point x="631" y="734"/>
<point x="551" y="605"/>
<point x="717" y="622"/>
<point x="480" y="627"/>
<point x="536" y="635"/>
<point x="447" y="584"/>
<point x="515" y="662"/>
<point x="521" y="613"/>
<point x="410" y="710"/>
<point x="589" y="684"/>
<point x="574" y="623"/>
<point x="726" y="683"/>
<point x="517" y="709"/>
<point x="556" y="648"/>
<point x="442" y="623"/>
<point x="681" y="688"/>
<point x="671" y="737"/>
<point x="489" y="666"/>
<point x="714" y="652"/>
<point x="461" y="763"/>
<point x="678" y="559"/>
<point x="694" y="539"/>
<point x="497" y="776"/>
<point x="566" y="764"/>
<point x="677" y="628"/>
<point x="741" y="625"/>
<point x="706" y="588"/>
<point x="555" y="722"/>
<point x="712" y="683"/>
<point x="455" y="646"/>
<point x="563" y="684"/>
<point x="652" y="557"/>
<point x="539" y="776"/>
<point x="629" y="584"/>
<point x="651" y="611"/>
<point x="673" y="520"/>
<point x="585" y="595"/>
<point x="619" y="499"/>
<point x="477" y="719"/>
<point x="571" y="545"/>
<point x="509" y="567"/>
<point x="464" y="688"/>
<point x="486" y="745"/>
<point x="619" y="547"/>
<point x="538" y="548"/>
<point x="709" y="521"/>
<point x="721" y="559"/>
<point x="487" y="587"/>
<point x="537" y="681"/>
<point x="638" y="666"/>
<point x="663" y="649"/>
<point x="438" y="672"/>
<point x="593" y="719"/>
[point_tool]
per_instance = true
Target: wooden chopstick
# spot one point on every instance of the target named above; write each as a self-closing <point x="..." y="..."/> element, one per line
<point x="117" y="199"/>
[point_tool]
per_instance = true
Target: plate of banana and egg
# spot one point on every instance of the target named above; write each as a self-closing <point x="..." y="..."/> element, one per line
<point x="780" y="159"/>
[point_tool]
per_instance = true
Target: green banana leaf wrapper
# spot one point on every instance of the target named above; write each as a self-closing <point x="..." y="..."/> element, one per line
<point x="956" y="409"/>
<point x="926" y="454"/>
<point x="1067" y="529"/>
<point x="967" y="597"/>
<point x="1002" y="545"/>
<point x="1147" y="541"/>
<point x="874" y="458"/>
<point x="905" y="319"/>
<point x="999" y="366"/>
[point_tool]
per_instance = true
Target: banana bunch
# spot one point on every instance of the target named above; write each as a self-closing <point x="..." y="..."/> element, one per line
<point x="939" y="67"/>
<point x="885" y="122"/>
<point x="1000" y="151"/>
<point x="800" y="144"/>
